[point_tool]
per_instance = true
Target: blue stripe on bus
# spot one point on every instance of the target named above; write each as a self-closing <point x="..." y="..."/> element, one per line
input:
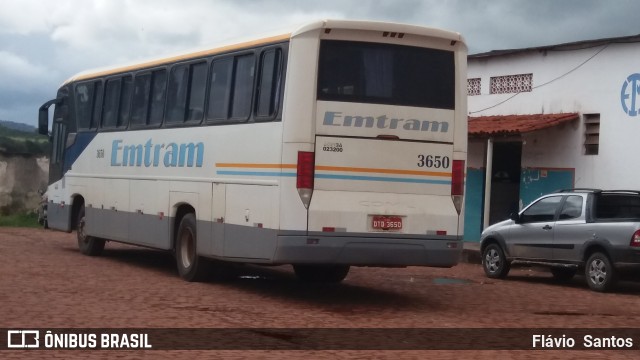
<point x="338" y="177"/>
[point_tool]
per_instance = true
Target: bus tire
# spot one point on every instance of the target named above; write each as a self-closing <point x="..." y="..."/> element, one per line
<point x="321" y="273"/>
<point x="89" y="245"/>
<point x="191" y="267"/>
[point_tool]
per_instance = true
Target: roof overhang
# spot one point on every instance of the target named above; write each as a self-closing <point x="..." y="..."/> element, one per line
<point x="509" y="125"/>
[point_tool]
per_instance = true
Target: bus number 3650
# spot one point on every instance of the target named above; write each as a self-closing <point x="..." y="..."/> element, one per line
<point x="433" y="161"/>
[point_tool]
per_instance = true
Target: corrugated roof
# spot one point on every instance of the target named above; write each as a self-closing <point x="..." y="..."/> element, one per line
<point x="515" y="124"/>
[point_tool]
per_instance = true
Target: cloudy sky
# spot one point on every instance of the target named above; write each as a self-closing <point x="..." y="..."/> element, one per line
<point x="44" y="42"/>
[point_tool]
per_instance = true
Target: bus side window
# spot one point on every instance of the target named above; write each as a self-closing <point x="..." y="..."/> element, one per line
<point x="84" y="99"/>
<point x="243" y="76"/>
<point x="197" y="87"/>
<point x="269" y="83"/>
<point x="158" y="96"/>
<point x="97" y="105"/>
<point x="177" y="93"/>
<point x="140" y="102"/>
<point x="111" y="102"/>
<point x="187" y="85"/>
<point x="125" y="102"/>
<point x="219" y="89"/>
<point x="88" y="98"/>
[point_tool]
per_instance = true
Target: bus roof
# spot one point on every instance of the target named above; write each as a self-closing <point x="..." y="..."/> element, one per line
<point x="378" y="26"/>
<point x="269" y="39"/>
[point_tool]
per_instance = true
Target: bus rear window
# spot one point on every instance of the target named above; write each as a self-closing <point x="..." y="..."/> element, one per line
<point x="351" y="71"/>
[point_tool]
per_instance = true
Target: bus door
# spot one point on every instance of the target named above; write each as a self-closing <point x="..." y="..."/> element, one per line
<point x="57" y="218"/>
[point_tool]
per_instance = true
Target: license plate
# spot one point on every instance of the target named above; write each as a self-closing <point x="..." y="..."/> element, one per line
<point x="387" y="223"/>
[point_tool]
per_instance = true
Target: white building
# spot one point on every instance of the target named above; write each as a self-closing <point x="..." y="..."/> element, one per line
<point x="547" y="118"/>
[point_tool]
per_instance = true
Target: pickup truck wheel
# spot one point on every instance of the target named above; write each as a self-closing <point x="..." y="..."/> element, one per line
<point x="563" y="273"/>
<point x="494" y="262"/>
<point x="600" y="274"/>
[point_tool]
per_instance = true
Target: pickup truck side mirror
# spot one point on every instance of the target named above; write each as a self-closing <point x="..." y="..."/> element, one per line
<point x="515" y="217"/>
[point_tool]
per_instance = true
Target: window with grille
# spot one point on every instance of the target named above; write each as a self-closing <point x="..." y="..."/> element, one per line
<point x="510" y="84"/>
<point x="473" y="86"/>
<point x="591" y="134"/>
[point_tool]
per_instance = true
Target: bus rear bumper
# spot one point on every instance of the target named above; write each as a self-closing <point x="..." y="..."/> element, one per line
<point x="368" y="250"/>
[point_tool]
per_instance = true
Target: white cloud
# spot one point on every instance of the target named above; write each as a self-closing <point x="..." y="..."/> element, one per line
<point x="106" y="32"/>
<point x="86" y="34"/>
<point x="25" y="17"/>
<point x="13" y="64"/>
<point x="17" y="71"/>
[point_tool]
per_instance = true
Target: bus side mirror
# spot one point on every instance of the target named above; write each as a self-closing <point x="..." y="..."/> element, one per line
<point x="43" y="117"/>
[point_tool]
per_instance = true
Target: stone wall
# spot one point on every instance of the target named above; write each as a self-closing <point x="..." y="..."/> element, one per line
<point x="21" y="176"/>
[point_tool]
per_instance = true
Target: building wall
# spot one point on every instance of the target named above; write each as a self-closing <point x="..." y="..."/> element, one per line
<point x="584" y="81"/>
<point x="561" y="85"/>
<point x="474" y="191"/>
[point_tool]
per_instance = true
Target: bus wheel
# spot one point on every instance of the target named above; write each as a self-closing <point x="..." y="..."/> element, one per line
<point x="89" y="245"/>
<point x="321" y="273"/>
<point x="191" y="267"/>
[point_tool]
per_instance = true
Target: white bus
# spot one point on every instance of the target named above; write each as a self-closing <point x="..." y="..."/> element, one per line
<point x="337" y="144"/>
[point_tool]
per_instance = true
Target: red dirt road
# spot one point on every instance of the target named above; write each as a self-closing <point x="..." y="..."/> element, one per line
<point x="46" y="283"/>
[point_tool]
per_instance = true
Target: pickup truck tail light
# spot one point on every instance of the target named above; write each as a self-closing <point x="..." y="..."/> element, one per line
<point x="635" y="239"/>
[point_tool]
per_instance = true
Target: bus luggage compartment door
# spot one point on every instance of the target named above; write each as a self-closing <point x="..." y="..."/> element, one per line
<point x="371" y="185"/>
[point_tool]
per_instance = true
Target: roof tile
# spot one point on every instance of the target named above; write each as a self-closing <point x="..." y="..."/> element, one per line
<point x="515" y="124"/>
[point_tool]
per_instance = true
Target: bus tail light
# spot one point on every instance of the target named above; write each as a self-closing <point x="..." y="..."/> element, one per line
<point x="635" y="239"/>
<point x="457" y="184"/>
<point x="304" y="176"/>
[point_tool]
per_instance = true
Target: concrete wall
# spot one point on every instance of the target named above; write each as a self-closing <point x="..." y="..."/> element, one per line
<point x="20" y="179"/>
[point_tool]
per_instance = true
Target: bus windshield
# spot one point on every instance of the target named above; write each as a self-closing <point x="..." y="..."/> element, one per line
<point x="351" y="71"/>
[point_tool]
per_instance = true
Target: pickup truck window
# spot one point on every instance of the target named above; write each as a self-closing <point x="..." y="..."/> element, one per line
<point x="543" y="210"/>
<point x="618" y="206"/>
<point x="572" y="208"/>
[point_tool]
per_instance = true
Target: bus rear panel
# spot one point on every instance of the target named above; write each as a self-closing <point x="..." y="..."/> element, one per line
<point x="388" y="152"/>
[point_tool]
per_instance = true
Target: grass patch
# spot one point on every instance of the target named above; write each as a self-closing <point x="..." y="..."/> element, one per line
<point x="29" y="220"/>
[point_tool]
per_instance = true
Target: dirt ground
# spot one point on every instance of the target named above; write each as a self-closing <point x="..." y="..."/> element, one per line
<point x="46" y="283"/>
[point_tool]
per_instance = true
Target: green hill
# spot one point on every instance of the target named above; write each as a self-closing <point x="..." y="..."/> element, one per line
<point x="18" y="126"/>
<point x="16" y="138"/>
